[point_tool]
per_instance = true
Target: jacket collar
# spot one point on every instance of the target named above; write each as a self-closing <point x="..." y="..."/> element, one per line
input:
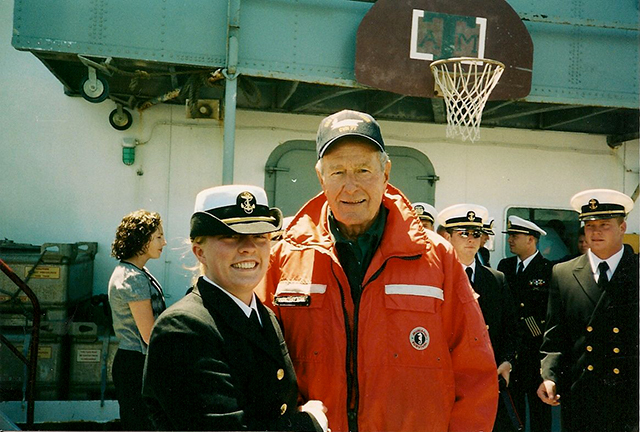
<point x="222" y="308"/>
<point x="584" y="276"/>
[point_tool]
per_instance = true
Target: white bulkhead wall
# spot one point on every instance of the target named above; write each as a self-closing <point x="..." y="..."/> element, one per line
<point x="62" y="177"/>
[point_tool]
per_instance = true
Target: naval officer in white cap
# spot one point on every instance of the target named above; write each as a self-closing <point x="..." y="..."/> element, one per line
<point x="426" y="213"/>
<point x="591" y="339"/>
<point x="465" y="224"/>
<point x="528" y="274"/>
<point x="217" y="359"/>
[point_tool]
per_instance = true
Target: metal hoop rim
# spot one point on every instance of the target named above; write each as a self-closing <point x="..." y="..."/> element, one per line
<point x="440" y="62"/>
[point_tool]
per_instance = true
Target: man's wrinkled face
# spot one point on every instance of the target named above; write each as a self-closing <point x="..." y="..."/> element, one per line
<point x="353" y="180"/>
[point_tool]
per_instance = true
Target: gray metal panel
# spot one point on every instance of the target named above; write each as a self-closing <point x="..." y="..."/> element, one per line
<point x="311" y="41"/>
<point x="584" y="53"/>
<point x="192" y="32"/>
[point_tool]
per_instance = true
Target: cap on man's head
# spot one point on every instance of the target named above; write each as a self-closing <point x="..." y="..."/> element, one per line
<point x="487" y="227"/>
<point x="233" y="209"/>
<point x="595" y="204"/>
<point x="463" y="216"/>
<point x="347" y="123"/>
<point x="517" y="225"/>
<point x="425" y="211"/>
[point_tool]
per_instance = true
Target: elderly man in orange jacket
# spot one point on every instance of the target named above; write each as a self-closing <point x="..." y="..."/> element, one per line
<point x="378" y="315"/>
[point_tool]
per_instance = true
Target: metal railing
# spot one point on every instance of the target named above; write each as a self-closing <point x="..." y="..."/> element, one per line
<point x="31" y="360"/>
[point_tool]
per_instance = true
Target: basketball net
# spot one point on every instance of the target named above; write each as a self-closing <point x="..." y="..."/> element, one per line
<point x="465" y="83"/>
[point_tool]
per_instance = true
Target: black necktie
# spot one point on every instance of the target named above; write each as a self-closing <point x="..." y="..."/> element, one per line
<point x="603" y="279"/>
<point x="469" y="272"/>
<point x="254" y="319"/>
<point x="520" y="268"/>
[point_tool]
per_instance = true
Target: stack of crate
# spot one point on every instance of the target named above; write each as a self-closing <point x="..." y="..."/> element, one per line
<point x="61" y="276"/>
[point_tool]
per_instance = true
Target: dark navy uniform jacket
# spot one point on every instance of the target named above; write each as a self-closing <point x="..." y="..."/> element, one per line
<point x="591" y="345"/>
<point x="210" y="368"/>
<point x="498" y="311"/>
<point x="530" y="291"/>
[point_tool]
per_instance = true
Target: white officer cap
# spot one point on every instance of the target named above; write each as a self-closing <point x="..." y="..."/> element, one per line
<point x="517" y="225"/>
<point x="463" y="216"/>
<point x="595" y="204"/>
<point x="487" y="227"/>
<point x="233" y="209"/>
<point x="425" y="211"/>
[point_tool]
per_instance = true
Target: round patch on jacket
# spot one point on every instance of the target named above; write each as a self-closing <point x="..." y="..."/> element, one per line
<point x="419" y="338"/>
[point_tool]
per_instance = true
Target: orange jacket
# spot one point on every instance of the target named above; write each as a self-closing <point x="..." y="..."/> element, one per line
<point x="413" y="356"/>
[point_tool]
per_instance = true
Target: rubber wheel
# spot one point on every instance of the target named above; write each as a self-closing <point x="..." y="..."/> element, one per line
<point x="120" y="121"/>
<point x="94" y="94"/>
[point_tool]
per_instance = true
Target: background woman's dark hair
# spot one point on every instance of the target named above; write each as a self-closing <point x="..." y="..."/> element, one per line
<point x="133" y="234"/>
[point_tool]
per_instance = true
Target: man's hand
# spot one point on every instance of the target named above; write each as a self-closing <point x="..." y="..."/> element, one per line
<point x="504" y="370"/>
<point x="547" y="393"/>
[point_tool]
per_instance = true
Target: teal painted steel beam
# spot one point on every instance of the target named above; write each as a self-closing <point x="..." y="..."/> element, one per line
<point x="231" y="91"/>
<point x="584" y="54"/>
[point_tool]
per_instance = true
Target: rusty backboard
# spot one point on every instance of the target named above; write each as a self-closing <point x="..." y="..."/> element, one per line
<point x="398" y="39"/>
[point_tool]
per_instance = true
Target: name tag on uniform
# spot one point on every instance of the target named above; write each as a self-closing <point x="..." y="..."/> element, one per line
<point x="296" y="293"/>
<point x="292" y="300"/>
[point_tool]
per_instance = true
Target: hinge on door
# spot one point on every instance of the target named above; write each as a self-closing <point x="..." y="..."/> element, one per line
<point x="273" y="169"/>
<point x="431" y="178"/>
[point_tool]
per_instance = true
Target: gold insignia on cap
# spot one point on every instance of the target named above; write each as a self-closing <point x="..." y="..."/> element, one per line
<point x="593" y="203"/>
<point x="419" y="209"/>
<point x="249" y="202"/>
<point x="509" y="225"/>
<point x="471" y="216"/>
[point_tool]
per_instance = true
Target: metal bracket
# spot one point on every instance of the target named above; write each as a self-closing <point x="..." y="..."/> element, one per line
<point x="431" y="178"/>
<point x="274" y="169"/>
<point x="95" y="65"/>
<point x="229" y="76"/>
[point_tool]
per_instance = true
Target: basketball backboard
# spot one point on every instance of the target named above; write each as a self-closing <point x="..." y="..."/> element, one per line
<point x="398" y="39"/>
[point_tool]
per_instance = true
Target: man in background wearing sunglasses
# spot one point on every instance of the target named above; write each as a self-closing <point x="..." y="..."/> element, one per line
<point x="464" y="229"/>
<point x="528" y="274"/>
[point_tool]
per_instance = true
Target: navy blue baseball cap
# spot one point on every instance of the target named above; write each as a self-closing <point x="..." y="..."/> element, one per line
<point x="347" y="123"/>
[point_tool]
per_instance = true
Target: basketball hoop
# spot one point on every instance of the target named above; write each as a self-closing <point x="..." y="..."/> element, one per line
<point x="465" y="83"/>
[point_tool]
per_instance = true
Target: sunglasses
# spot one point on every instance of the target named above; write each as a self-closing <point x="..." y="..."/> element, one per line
<point x="466" y="234"/>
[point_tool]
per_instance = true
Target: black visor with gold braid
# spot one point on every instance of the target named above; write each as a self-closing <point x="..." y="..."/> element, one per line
<point x="518" y="229"/>
<point x="470" y="220"/>
<point x="595" y="210"/>
<point x="423" y="213"/>
<point x="245" y="217"/>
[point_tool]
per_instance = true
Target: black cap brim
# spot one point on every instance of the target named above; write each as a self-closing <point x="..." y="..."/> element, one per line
<point x="206" y="224"/>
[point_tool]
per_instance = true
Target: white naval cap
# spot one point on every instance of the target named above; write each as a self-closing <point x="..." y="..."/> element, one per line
<point x="517" y="225"/>
<point x="463" y="216"/>
<point x="595" y="204"/>
<point x="229" y="209"/>
<point x="425" y="211"/>
<point x="487" y="227"/>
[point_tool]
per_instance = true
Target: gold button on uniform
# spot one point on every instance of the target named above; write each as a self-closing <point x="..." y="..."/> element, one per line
<point x="283" y="409"/>
<point x="616" y="371"/>
<point x="280" y="374"/>
<point x="590" y="368"/>
<point x="616" y="330"/>
<point x="521" y="304"/>
<point x="616" y="350"/>
<point x="589" y="329"/>
<point x="589" y="348"/>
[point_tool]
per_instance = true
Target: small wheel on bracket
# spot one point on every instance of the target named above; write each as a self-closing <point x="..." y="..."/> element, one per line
<point x="94" y="91"/>
<point x="120" y="119"/>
